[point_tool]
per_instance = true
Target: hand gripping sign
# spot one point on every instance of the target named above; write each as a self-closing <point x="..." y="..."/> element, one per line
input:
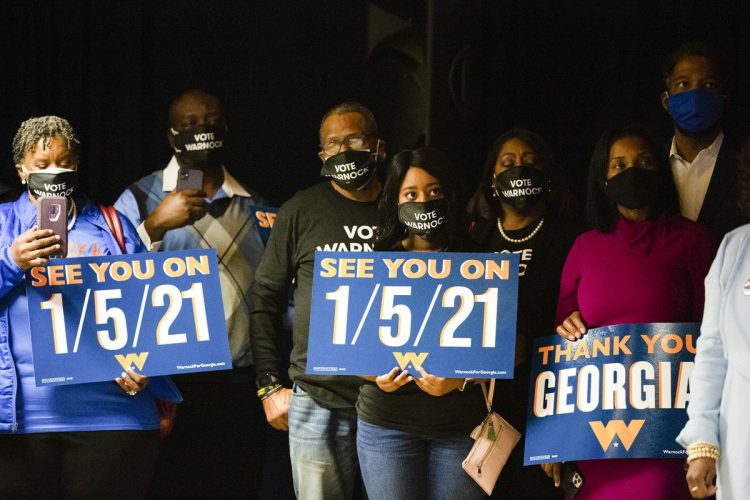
<point x="454" y="314"/>
<point x="92" y="317"/>
<point x="620" y="392"/>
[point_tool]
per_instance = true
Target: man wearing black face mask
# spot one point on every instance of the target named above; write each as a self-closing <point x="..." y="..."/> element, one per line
<point x="703" y="163"/>
<point x="216" y="444"/>
<point x="338" y="215"/>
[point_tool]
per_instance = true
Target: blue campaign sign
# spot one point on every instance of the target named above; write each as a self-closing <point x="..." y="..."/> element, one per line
<point x="92" y="317"/>
<point x="620" y="392"/>
<point x="264" y="219"/>
<point x="452" y="313"/>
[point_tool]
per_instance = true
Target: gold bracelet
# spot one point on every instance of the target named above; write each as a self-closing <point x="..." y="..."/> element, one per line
<point x="270" y="392"/>
<point x="702" y="450"/>
<point x="267" y="389"/>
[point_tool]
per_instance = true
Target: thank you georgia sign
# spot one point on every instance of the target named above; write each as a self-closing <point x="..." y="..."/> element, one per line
<point x="620" y="392"/>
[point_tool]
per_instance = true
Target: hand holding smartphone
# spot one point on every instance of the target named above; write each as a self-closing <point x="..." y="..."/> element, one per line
<point x="52" y="213"/>
<point x="571" y="480"/>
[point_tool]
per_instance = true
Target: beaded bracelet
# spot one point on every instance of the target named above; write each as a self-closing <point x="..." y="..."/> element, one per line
<point x="702" y="450"/>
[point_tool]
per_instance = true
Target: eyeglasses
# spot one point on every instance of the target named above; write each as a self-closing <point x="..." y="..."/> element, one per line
<point x="356" y="142"/>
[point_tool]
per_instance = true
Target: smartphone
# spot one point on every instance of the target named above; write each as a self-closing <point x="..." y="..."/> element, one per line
<point x="189" y="178"/>
<point x="52" y="213"/>
<point x="571" y="480"/>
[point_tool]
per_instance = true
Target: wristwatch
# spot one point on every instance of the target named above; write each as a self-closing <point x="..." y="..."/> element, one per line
<point x="266" y="379"/>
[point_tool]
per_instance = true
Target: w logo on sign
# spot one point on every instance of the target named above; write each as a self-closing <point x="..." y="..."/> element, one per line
<point x="626" y="433"/>
<point x="404" y="359"/>
<point x="131" y="359"/>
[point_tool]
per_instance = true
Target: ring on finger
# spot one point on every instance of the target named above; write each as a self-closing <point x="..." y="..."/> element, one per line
<point x="132" y="393"/>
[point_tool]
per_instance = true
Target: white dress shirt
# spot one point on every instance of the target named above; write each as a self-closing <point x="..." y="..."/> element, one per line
<point x="128" y="205"/>
<point x="692" y="178"/>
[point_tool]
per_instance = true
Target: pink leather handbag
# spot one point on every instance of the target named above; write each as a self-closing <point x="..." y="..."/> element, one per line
<point x="494" y="439"/>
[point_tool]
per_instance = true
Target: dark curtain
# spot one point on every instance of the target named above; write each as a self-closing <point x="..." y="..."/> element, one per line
<point x="112" y="67"/>
<point x="565" y="69"/>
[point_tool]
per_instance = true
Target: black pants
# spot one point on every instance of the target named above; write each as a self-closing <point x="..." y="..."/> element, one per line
<point x="77" y="465"/>
<point x="217" y="445"/>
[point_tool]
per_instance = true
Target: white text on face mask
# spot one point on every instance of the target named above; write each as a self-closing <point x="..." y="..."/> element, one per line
<point x="351" y="175"/>
<point x="527" y="191"/>
<point x="429" y="220"/>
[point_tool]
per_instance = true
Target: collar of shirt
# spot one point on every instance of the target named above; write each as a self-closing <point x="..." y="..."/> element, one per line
<point x="231" y="187"/>
<point x="712" y="151"/>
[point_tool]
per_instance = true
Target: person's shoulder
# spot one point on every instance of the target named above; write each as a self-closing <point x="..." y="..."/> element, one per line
<point x="590" y="236"/>
<point x="303" y="198"/>
<point x="738" y="236"/>
<point x="6" y="209"/>
<point x="681" y="224"/>
<point x="156" y="175"/>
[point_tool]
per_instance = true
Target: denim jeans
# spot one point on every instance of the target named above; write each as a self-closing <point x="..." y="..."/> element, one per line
<point x="401" y="465"/>
<point x="323" y="449"/>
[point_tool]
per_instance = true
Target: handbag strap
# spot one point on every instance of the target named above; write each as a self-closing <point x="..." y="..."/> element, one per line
<point x="115" y="225"/>
<point x="488" y="397"/>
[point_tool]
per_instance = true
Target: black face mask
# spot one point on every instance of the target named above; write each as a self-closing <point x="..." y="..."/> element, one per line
<point x="201" y="146"/>
<point x="51" y="182"/>
<point x="634" y="188"/>
<point x="520" y="187"/>
<point x="425" y="219"/>
<point x="350" y="170"/>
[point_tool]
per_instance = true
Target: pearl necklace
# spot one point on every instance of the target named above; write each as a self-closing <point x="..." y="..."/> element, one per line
<point x="519" y="240"/>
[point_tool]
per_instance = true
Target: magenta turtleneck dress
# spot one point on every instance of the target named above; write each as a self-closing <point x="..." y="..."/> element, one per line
<point x="642" y="272"/>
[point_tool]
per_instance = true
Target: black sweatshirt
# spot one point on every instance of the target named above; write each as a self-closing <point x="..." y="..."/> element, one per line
<point x="317" y="218"/>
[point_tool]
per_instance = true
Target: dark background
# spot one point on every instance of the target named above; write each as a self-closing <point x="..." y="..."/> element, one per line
<point x="463" y="72"/>
<point x="454" y="74"/>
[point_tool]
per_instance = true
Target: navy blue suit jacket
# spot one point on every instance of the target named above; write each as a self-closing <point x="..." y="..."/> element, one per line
<point x="720" y="210"/>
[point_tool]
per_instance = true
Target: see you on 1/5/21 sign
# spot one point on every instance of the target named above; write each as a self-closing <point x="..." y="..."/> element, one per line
<point x="160" y="313"/>
<point x="454" y="314"/>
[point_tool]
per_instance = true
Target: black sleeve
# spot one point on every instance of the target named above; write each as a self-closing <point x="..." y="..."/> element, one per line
<point x="269" y="295"/>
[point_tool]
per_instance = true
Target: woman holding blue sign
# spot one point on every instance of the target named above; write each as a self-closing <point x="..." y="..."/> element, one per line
<point x="413" y="432"/>
<point x="47" y="445"/>
<point x="642" y="263"/>
<point x="717" y="435"/>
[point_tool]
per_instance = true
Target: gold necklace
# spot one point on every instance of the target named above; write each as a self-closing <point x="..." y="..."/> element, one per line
<point x="519" y="240"/>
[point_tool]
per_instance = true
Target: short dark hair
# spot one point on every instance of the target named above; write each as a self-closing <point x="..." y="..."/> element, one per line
<point x="194" y="93"/>
<point x="437" y="164"/>
<point x="697" y="48"/>
<point x="480" y="204"/>
<point x="601" y="211"/>
<point x="353" y="107"/>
